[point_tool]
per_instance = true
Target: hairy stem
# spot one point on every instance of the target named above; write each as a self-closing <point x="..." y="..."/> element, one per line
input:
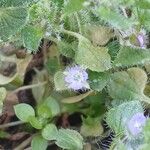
<point x="11" y="124"/>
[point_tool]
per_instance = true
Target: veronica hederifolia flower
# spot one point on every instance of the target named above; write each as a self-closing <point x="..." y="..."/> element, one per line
<point x="136" y="124"/>
<point x="76" y="77"/>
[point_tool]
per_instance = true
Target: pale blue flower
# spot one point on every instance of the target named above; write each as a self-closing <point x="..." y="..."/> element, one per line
<point x="136" y="123"/>
<point x="76" y="77"/>
<point x="140" y="38"/>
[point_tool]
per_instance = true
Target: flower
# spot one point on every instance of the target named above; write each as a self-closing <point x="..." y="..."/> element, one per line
<point x="140" y="39"/>
<point x="76" y="77"/>
<point x="136" y="123"/>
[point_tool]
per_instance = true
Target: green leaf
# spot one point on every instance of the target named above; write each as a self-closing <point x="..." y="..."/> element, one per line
<point x="115" y="19"/>
<point x="93" y="58"/>
<point x="143" y="4"/>
<point x="73" y="6"/>
<point x="35" y="122"/>
<point x="132" y="56"/>
<point x="24" y="112"/>
<point x="128" y="85"/>
<point x="49" y="108"/>
<point x="147" y="131"/>
<point x="118" y="117"/>
<point x="3" y="94"/>
<point x="91" y="127"/>
<point x="31" y="37"/>
<point x="59" y="81"/>
<point x="67" y="49"/>
<point x="10" y="3"/>
<point x="12" y="19"/>
<point x="39" y="143"/>
<point x="99" y="35"/>
<point x="52" y="65"/>
<point x="69" y="139"/>
<point x="75" y="99"/>
<point x="50" y="132"/>
<point x="97" y="80"/>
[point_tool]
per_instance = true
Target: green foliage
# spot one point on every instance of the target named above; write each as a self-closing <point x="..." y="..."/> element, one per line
<point x="128" y="85"/>
<point x="96" y="58"/>
<point x="69" y="139"/>
<point x="91" y="127"/>
<point x="24" y="112"/>
<point x="49" y="108"/>
<point x="50" y="132"/>
<point x="117" y="118"/>
<point x="60" y="84"/>
<point x="93" y="35"/>
<point x="31" y="37"/>
<point x="67" y="49"/>
<point x="114" y="18"/>
<point x="128" y="56"/>
<point x="12" y="19"/>
<point x="97" y="80"/>
<point x="35" y="122"/>
<point x="10" y="3"/>
<point x="39" y="143"/>
<point x="73" y="6"/>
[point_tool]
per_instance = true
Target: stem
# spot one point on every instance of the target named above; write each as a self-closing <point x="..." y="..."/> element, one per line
<point x="24" y="144"/>
<point x="30" y="86"/>
<point x="11" y="124"/>
<point x="77" y="35"/>
<point x="79" y="23"/>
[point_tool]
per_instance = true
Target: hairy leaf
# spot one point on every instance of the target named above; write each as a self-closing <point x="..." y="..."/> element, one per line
<point x="132" y="56"/>
<point x="128" y="85"/>
<point x="115" y="19"/>
<point x="117" y="118"/>
<point x="93" y="58"/>
<point x="97" y="80"/>
<point x="69" y="139"/>
<point x="12" y="19"/>
<point x="31" y="37"/>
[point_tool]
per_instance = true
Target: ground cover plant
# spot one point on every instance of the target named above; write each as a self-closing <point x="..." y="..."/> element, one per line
<point x="74" y="74"/>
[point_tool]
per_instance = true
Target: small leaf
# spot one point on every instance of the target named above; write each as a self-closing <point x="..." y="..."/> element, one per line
<point x="67" y="49"/>
<point x="31" y="37"/>
<point x="52" y="65"/>
<point x="12" y="19"/>
<point x="35" y="122"/>
<point x="10" y="3"/>
<point x="50" y="132"/>
<point x="39" y="143"/>
<point x="97" y="80"/>
<point x="73" y="6"/>
<point x="117" y="118"/>
<point x="24" y="112"/>
<point x="115" y="19"/>
<point x="59" y="81"/>
<point x="132" y="56"/>
<point x="49" y="108"/>
<point x="99" y="35"/>
<point x="69" y="139"/>
<point x="128" y="85"/>
<point x="93" y="58"/>
<point x="76" y="99"/>
<point x="91" y="127"/>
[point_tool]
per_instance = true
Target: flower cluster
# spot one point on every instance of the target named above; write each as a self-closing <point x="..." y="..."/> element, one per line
<point x="76" y="77"/>
<point x="136" y="123"/>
